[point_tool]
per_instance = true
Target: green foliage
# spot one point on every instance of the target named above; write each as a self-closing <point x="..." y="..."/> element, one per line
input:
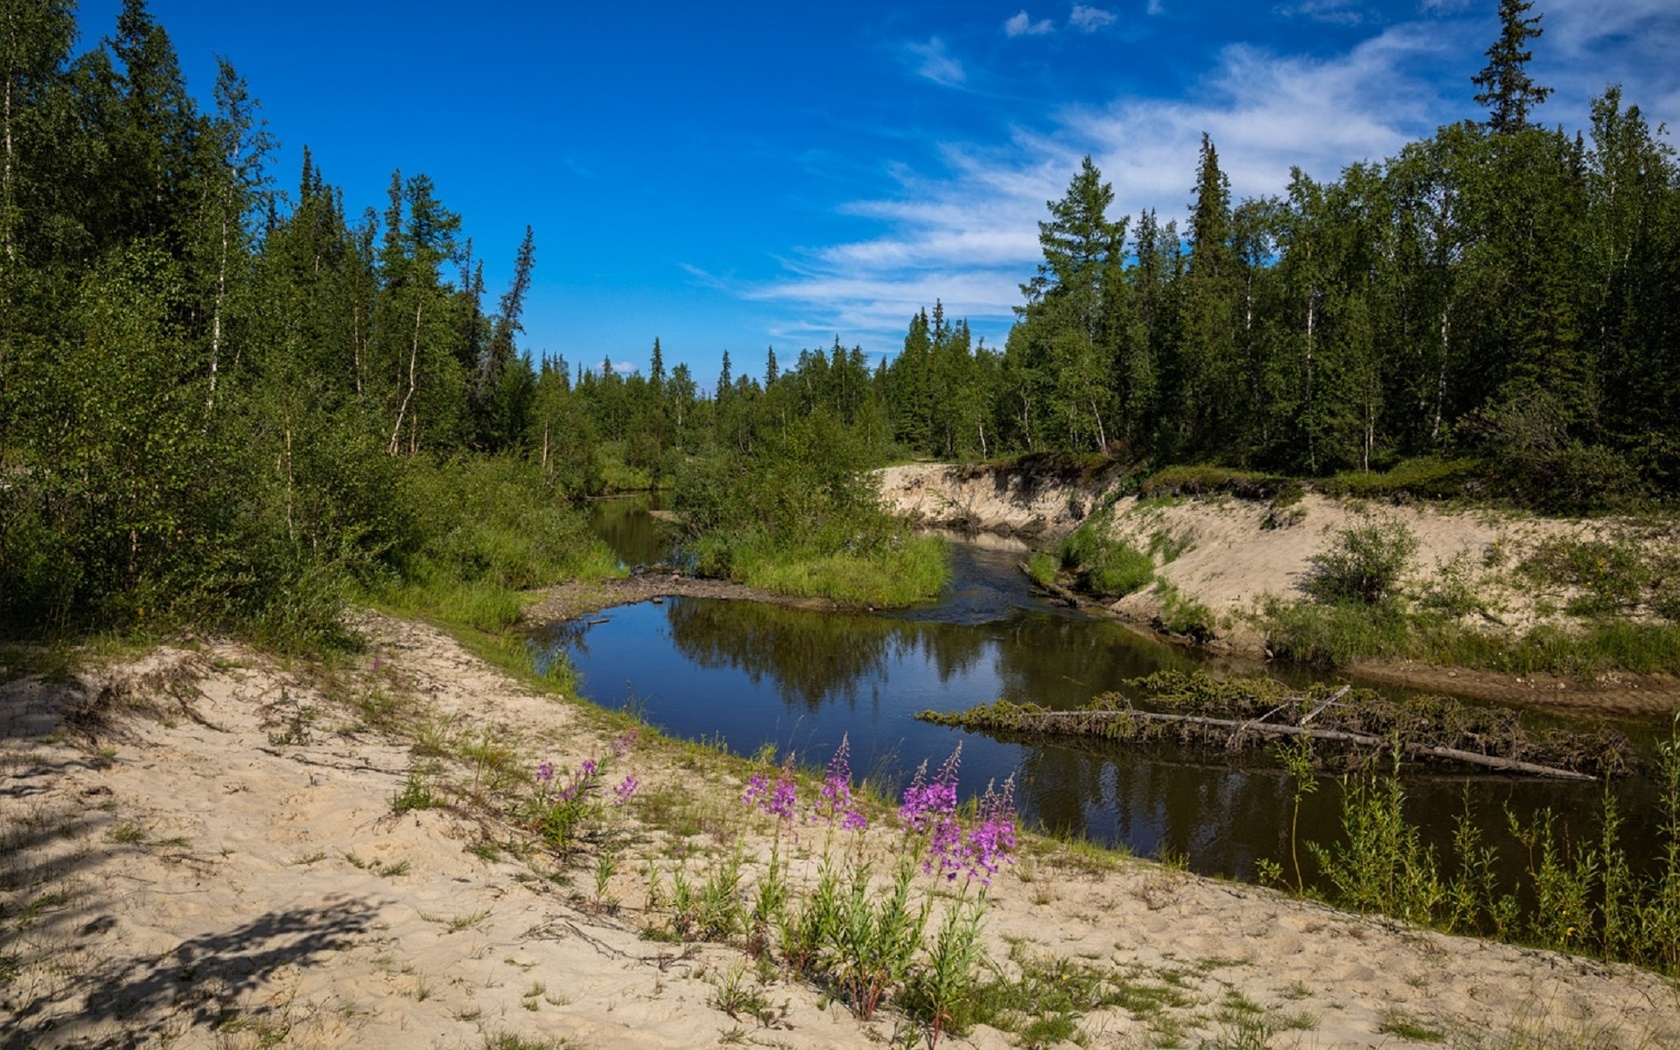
<point x="1417" y="478"/>
<point x="1042" y="567"/>
<point x="1105" y="566"/>
<point x="1615" y="574"/>
<point x="1576" y="895"/>
<point x="1210" y="481"/>
<point x="1382" y="866"/>
<point x="875" y="938"/>
<point x="1182" y="616"/>
<point x="943" y="993"/>
<point x="1363" y="565"/>
<point x="800" y="514"/>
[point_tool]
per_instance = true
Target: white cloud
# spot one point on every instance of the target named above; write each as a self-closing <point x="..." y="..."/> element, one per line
<point x="1154" y="7"/>
<point x="1090" y="19"/>
<point x="1587" y="46"/>
<point x="1338" y="12"/>
<point x="968" y="234"/>
<point x="1023" y="25"/>
<point x="937" y="64"/>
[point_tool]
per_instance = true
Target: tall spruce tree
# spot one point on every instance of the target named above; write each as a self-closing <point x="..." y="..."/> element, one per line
<point x="1508" y="91"/>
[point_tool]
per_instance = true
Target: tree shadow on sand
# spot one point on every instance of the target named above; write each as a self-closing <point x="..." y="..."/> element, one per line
<point x="199" y="984"/>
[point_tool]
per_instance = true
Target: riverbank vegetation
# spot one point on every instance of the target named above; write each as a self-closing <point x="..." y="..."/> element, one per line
<point x="1614" y="593"/>
<point x="1567" y="892"/>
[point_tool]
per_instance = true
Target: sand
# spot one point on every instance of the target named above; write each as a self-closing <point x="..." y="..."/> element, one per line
<point x="200" y="850"/>
<point x="1238" y="554"/>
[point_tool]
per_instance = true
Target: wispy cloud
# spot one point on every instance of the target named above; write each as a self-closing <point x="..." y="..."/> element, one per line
<point x="1587" y="46"/>
<point x="1023" y="25"/>
<point x="1090" y="19"/>
<point x="936" y="63"/>
<point x="1338" y="12"/>
<point x="968" y="233"/>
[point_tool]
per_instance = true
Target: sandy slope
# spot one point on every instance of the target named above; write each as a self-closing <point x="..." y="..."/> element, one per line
<point x="1238" y="553"/>
<point x="199" y="851"/>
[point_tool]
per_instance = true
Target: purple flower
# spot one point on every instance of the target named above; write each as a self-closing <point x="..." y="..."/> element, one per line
<point x="545" y="772"/>
<point x="926" y="805"/>
<point x="836" y="792"/>
<point x="993" y="840"/>
<point x="626" y="788"/>
<point x="931" y="810"/>
<point x="782" y="800"/>
<point x="777" y="801"/>
<point x="626" y="740"/>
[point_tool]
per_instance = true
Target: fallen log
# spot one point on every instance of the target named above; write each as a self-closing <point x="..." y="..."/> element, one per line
<point x="1056" y="590"/>
<point x="1053" y="721"/>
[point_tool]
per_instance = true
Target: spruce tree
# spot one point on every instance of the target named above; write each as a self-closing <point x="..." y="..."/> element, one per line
<point x="1508" y="91"/>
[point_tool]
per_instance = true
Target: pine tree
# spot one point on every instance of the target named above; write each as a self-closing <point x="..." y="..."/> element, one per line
<point x="1508" y="91"/>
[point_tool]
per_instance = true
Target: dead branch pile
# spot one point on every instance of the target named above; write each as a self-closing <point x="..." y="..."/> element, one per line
<point x="1351" y="724"/>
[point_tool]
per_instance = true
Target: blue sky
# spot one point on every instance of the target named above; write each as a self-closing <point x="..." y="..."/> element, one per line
<point x="751" y="174"/>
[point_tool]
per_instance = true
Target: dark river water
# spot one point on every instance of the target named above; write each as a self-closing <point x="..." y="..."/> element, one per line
<point x="748" y="675"/>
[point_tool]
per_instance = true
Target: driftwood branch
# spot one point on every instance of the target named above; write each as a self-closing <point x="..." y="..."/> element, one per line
<point x="1049" y="721"/>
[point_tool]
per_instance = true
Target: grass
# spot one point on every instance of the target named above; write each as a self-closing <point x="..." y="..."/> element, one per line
<point x="1209" y="481"/>
<point x="1339" y="634"/>
<point x="903" y="573"/>
<point x="1423" y="477"/>
<point x="1398" y="1022"/>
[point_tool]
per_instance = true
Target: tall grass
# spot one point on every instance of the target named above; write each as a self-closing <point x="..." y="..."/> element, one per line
<point x="1105" y="566"/>
<point x="1573" y="895"/>
<point x="486" y="532"/>
<point x="896" y="573"/>
<point x="1345" y="632"/>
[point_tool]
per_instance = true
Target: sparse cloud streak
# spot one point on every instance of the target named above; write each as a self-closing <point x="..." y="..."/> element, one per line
<point x="969" y="236"/>
<point x="1090" y="19"/>
<point x="1023" y="25"/>
<point x="933" y="62"/>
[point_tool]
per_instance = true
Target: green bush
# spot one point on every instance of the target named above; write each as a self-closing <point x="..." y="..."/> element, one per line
<point x="1104" y="566"/>
<point x="800" y="513"/>
<point x="1614" y="574"/>
<point x="1425" y="477"/>
<point x="1363" y="565"/>
<point x="1208" y="481"/>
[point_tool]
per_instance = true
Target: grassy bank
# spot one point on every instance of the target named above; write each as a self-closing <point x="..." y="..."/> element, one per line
<point x="798" y="512"/>
<point x="487" y="535"/>
<point x="902" y="571"/>
<point x="1610" y="603"/>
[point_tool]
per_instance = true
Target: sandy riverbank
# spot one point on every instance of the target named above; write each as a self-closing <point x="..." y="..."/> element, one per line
<point x="200" y="851"/>
<point x="1236" y="554"/>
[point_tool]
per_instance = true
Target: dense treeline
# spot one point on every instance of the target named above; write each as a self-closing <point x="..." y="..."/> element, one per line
<point x="1501" y="296"/>
<point x="221" y="403"/>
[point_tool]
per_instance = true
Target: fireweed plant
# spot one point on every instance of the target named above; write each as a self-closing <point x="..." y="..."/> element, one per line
<point x="565" y="807"/>
<point x="867" y="943"/>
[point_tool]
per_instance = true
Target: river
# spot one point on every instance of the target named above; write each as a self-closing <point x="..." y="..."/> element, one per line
<point x="751" y="675"/>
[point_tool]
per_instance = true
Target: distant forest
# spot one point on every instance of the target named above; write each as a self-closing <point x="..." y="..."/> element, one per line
<point x="214" y="392"/>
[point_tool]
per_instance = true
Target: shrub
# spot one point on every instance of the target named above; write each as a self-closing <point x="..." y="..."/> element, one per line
<point x="1426" y="477"/>
<point x="1207" y="481"/>
<point x="1363" y="565"/>
<point x="1104" y="566"/>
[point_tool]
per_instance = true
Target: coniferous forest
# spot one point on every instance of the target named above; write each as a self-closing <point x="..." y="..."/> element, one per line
<point x="232" y="402"/>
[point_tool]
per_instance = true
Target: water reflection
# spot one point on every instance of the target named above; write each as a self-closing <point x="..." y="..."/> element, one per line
<point x="749" y="674"/>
